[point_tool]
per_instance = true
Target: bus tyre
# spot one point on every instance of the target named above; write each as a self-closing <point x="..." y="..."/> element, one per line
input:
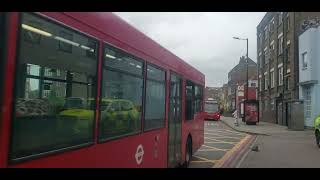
<point x="317" y="138"/>
<point x="188" y="153"/>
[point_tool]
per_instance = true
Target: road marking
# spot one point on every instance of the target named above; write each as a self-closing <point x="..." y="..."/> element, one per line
<point x="202" y="158"/>
<point x="207" y="150"/>
<point x="219" y="133"/>
<point x="220" y="140"/>
<point x="217" y="142"/>
<point x="211" y="161"/>
<point x="224" y="131"/>
<point x="227" y="137"/>
<point x="215" y="148"/>
<point x="231" y="131"/>
<point x="245" y="155"/>
<point x="230" y="153"/>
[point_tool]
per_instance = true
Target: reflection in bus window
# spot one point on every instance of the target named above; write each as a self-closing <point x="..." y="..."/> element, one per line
<point x="121" y="96"/>
<point x="155" y="99"/>
<point x="53" y="89"/>
<point x="194" y="99"/>
<point x="189" y="100"/>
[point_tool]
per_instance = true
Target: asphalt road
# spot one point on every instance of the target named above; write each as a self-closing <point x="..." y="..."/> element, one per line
<point x="218" y="140"/>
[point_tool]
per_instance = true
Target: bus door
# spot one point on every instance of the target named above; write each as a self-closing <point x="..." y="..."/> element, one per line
<point x="2" y="52"/>
<point x="174" y="134"/>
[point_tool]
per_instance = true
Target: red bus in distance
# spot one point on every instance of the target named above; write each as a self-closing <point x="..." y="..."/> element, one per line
<point x="89" y="90"/>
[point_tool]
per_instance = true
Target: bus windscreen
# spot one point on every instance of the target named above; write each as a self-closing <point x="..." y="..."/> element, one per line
<point x="211" y="107"/>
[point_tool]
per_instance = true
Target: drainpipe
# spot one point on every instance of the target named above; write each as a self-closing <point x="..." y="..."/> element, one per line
<point x="283" y="65"/>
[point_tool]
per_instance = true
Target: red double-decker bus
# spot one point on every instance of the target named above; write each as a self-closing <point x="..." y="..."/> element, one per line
<point x="89" y="90"/>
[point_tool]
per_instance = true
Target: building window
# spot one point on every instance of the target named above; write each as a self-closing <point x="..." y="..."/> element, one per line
<point x="307" y="101"/>
<point x="260" y="40"/>
<point x="280" y="44"/>
<point x="272" y="105"/>
<point x="272" y="79"/>
<point x="265" y="54"/>
<point x="266" y="82"/>
<point x="288" y="53"/>
<point x="155" y="99"/>
<point x="288" y="22"/>
<point x="304" y="60"/>
<point x="280" y="18"/>
<point x="260" y="84"/>
<point x="260" y="60"/>
<point x="121" y="94"/>
<point x="271" y="25"/>
<point x="288" y="83"/>
<point x="52" y="110"/>
<point x="266" y="33"/>
<point x="272" y="45"/>
<point x="280" y="76"/>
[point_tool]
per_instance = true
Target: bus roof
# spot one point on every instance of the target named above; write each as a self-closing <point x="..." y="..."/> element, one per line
<point x="112" y="29"/>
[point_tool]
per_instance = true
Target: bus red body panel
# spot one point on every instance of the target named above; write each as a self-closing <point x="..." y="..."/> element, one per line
<point x="144" y="149"/>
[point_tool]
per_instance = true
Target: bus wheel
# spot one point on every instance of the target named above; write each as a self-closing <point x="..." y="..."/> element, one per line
<point x="188" y="152"/>
<point x="317" y="138"/>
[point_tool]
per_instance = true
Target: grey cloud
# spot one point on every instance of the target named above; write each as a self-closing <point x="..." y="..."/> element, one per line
<point x="203" y="39"/>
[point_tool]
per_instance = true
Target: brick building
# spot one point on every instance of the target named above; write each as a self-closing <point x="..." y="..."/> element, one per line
<point x="237" y="76"/>
<point x="278" y="70"/>
<point x="213" y="92"/>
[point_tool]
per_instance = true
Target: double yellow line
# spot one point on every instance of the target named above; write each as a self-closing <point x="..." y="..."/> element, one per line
<point x="232" y="152"/>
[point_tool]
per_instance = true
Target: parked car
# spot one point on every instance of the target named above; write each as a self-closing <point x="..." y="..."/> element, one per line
<point x="317" y="130"/>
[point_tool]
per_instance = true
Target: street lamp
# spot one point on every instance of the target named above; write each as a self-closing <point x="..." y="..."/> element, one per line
<point x="247" y="62"/>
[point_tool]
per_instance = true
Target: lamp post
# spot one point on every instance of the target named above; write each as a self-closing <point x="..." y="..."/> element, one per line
<point x="247" y="64"/>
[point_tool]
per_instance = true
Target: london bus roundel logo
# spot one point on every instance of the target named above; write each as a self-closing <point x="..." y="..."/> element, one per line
<point x="139" y="154"/>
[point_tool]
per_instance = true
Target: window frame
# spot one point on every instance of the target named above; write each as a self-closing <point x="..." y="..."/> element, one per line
<point x="19" y="39"/>
<point x="288" y="22"/>
<point x="193" y="99"/>
<point x="265" y="32"/>
<point x="280" y="44"/>
<point x="260" y="83"/>
<point x="272" y="79"/>
<point x="145" y="96"/>
<point x="106" y="44"/>
<point x="305" y="63"/>
<point x="280" y="76"/>
<point x="280" y="18"/>
<point x="266" y="81"/>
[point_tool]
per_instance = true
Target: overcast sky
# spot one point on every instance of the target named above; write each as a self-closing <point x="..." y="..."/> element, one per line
<point x="202" y="39"/>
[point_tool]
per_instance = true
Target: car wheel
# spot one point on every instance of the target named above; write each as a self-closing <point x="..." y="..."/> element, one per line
<point x="318" y="138"/>
<point x="188" y="153"/>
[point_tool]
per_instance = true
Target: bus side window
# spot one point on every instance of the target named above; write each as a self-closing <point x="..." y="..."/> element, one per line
<point x="52" y="88"/>
<point x="189" y="100"/>
<point x="122" y="81"/>
<point x="155" y="99"/>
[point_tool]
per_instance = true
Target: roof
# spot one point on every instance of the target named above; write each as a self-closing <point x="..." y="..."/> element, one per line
<point x="112" y="29"/>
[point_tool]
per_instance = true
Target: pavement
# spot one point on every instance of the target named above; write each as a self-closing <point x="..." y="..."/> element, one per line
<point x="277" y="147"/>
<point x="294" y="149"/>
<point x="222" y="146"/>
<point x="261" y="128"/>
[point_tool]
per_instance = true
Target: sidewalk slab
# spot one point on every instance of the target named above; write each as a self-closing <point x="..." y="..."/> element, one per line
<point x="261" y="128"/>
